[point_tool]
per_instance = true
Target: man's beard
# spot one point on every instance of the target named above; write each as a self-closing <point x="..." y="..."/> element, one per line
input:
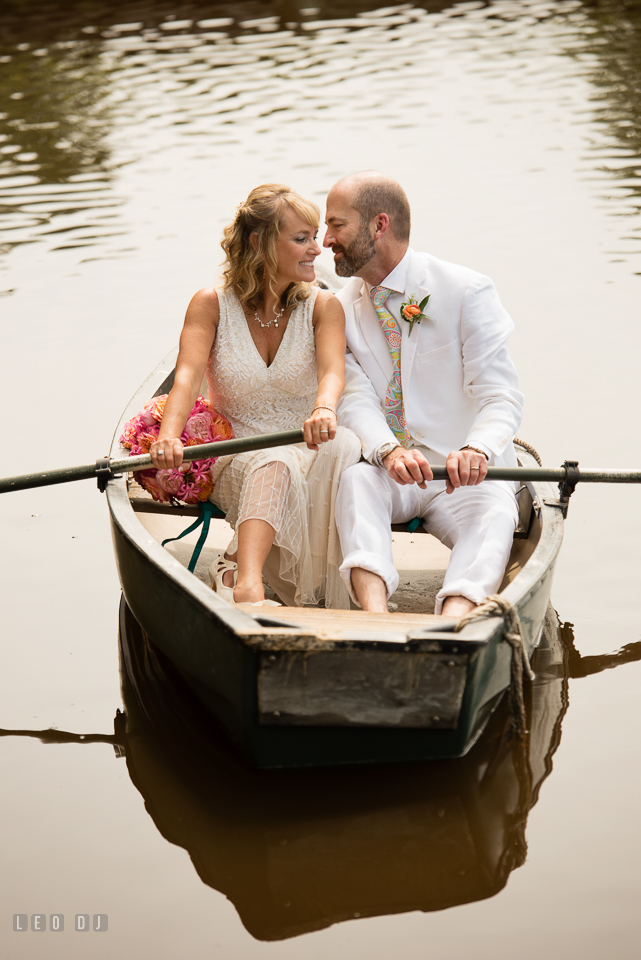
<point x="359" y="252"/>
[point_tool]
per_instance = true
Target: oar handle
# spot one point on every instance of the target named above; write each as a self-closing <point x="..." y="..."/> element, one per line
<point x="107" y="469"/>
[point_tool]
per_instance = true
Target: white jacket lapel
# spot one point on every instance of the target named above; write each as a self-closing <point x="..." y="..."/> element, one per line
<point x="416" y="286"/>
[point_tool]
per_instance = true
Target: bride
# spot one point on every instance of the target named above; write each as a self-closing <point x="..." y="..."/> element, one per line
<point x="272" y="346"/>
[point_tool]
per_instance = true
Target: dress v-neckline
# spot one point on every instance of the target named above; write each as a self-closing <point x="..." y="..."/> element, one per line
<point x="268" y="366"/>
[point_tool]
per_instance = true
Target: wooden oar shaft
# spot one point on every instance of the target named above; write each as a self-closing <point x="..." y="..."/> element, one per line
<point x="47" y="478"/>
<point x="245" y="444"/>
<point x="554" y="475"/>
<point x="221" y="449"/>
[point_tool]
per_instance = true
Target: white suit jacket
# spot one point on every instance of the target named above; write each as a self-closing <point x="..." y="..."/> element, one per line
<point x="459" y="384"/>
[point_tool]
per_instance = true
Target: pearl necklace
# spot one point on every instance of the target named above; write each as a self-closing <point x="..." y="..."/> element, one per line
<point x="274" y="320"/>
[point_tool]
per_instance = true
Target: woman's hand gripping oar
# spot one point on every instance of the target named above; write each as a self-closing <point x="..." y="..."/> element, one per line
<point x="105" y="469"/>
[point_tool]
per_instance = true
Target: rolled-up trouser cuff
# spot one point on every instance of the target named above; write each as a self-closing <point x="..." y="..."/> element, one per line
<point x="368" y="561"/>
<point x="459" y="588"/>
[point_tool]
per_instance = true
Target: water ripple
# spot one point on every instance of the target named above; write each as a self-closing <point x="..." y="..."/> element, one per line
<point x="103" y="96"/>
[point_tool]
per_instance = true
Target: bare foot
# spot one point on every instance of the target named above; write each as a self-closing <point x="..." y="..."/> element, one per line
<point x="457" y="607"/>
<point x="248" y="592"/>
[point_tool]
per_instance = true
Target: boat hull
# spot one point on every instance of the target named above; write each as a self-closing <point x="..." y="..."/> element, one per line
<point x="223" y="671"/>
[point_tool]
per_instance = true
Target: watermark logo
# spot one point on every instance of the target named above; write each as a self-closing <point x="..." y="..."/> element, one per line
<point x="37" y="923"/>
<point x="100" y="922"/>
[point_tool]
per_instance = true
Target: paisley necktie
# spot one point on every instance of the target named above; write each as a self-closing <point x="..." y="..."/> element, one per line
<point x="394" y="411"/>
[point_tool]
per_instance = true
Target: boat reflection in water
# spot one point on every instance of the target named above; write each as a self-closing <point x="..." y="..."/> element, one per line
<point x="296" y="851"/>
<point x="299" y="850"/>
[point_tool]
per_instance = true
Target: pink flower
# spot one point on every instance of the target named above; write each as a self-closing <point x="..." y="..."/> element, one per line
<point x="201" y="477"/>
<point x="199" y="427"/>
<point x="201" y="468"/>
<point x="149" y="436"/>
<point x="147" y="479"/>
<point x="200" y="406"/>
<point x="131" y="431"/>
<point x="170" y="481"/>
<point x="189" y="493"/>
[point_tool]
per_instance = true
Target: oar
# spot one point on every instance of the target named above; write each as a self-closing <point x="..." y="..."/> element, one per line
<point x="555" y="475"/>
<point x="105" y="469"/>
<point x="566" y="476"/>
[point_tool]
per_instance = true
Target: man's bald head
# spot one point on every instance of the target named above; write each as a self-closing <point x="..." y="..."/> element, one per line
<point x="372" y="193"/>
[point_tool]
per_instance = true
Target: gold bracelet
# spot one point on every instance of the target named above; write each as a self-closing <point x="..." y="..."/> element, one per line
<point x="322" y="406"/>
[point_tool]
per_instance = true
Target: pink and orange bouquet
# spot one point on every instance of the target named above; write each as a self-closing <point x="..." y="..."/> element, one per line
<point x="204" y="425"/>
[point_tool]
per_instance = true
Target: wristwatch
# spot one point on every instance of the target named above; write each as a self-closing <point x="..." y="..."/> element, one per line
<point x="383" y="450"/>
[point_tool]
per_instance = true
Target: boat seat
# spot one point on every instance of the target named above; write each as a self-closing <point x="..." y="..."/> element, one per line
<point x="143" y="502"/>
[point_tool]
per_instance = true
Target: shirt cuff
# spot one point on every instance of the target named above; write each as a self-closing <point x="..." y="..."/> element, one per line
<point x="383" y="450"/>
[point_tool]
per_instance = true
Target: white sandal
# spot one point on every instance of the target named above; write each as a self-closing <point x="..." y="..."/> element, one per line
<point x="217" y="571"/>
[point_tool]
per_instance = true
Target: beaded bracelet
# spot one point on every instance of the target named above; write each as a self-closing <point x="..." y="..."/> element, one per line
<point x="468" y="446"/>
<point x="322" y="406"/>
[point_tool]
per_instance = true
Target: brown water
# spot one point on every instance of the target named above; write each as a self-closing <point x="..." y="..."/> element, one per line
<point x="128" y="134"/>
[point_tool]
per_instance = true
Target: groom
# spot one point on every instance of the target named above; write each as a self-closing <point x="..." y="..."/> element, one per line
<point x="441" y="389"/>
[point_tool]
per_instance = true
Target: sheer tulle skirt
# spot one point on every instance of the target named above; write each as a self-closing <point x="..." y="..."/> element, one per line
<point x="294" y="490"/>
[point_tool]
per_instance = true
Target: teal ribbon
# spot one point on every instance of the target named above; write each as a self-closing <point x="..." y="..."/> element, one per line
<point x="208" y="511"/>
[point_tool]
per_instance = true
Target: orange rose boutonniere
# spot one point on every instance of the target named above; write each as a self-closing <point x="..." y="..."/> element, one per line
<point x="412" y="311"/>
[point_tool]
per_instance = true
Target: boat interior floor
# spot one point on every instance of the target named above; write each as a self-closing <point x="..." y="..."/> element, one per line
<point x="420" y="559"/>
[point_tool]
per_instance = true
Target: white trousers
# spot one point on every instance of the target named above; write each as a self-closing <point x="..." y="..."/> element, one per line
<point x="476" y="523"/>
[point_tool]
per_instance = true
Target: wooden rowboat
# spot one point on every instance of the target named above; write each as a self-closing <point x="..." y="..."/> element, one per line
<point x="306" y="686"/>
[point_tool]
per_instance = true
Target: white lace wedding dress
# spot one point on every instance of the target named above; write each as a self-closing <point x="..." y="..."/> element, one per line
<point x="292" y="488"/>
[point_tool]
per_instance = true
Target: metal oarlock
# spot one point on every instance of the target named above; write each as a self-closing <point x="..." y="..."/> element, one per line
<point x="568" y="486"/>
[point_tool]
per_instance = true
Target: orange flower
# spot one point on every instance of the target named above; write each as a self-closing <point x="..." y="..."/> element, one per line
<point x="223" y="427"/>
<point x="412" y="310"/>
<point x="156" y="407"/>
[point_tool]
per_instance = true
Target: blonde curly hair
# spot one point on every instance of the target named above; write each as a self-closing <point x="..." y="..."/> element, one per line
<point x="246" y="269"/>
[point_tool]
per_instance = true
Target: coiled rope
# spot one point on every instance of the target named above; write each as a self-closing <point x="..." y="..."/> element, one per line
<point x="497" y="605"/>
<point x="530" y="449"/>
